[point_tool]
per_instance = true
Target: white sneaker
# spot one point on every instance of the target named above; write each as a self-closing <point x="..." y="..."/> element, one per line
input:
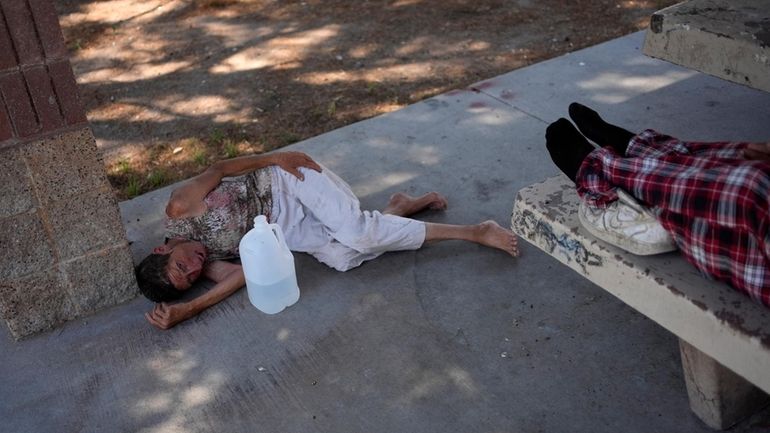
<point x="627" y="225"/>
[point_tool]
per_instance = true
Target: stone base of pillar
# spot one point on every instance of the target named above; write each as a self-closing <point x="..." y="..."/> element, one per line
<point x="719" y="397"/>
<point x="64" y="251"/>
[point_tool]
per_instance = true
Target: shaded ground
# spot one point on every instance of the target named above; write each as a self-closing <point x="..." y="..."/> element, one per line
<point x="452" y="338"/>
<point x="171" y="85"/>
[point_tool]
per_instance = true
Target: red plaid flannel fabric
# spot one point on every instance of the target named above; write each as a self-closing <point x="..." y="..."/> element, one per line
<point x="713" y="202"/>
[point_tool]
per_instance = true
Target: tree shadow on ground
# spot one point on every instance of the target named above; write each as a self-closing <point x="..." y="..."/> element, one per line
<point x="170" y="86"/>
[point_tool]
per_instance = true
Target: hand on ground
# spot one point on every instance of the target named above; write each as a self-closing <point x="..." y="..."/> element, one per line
<point x="165" y="316"/>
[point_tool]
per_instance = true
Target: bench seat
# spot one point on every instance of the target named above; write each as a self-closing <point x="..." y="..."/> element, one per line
<point x="729" y="39"/>
<point x="717" y="326"/>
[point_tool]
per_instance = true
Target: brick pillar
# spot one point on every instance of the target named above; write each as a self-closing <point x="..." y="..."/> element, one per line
<point x="63" y="250"/>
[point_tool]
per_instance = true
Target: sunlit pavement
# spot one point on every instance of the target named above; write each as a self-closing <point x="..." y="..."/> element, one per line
<point x="450" y="338"/>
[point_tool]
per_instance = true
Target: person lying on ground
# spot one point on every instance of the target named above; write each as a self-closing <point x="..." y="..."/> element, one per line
<point x="317" y="212"/>
<point x="711" y="198"/>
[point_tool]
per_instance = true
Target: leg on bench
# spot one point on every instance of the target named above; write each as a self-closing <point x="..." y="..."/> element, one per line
<point x="719" y="397"/>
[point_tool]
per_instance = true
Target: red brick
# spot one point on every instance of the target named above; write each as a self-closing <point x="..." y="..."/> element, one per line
<point x="43" y="98"/>
<point x="18" y="103"/>
<point x="22" y="28"/>
<point x="6" y="129"/>
<point x="47" y="24"/>
<point x="8" y="57"/>
<point x="66" y="89"/>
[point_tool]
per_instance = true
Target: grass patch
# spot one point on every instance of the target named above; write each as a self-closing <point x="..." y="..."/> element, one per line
<point x="122" y="167"/>
<point x="76" y="45"/>
<point x="133" y="188"/>
<point x="372" y="86"/>
<point x="200" y="157"/>
<point x="287" y="137"/>
<point x="217" y="136"/>
<point x="157" y="178"/>
<point x="231" y="149"/>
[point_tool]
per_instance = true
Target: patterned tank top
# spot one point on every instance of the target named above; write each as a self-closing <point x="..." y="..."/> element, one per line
<point x="230" y="211"/>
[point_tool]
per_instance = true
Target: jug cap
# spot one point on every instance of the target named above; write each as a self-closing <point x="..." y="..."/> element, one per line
<point x="260" y="220"/>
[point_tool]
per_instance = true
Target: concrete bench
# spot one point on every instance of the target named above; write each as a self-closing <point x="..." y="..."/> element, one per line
<point x="724" y="336"/>
<point x="729" y="39"/>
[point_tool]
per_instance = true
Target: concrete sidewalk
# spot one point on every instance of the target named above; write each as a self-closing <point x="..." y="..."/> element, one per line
<point x="451" y="338"/>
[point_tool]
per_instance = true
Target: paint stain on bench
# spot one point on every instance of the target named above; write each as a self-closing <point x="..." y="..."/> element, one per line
<point x="531" y="227"/>
<point x="737" y="322"/>
<point x="623" y="260"/>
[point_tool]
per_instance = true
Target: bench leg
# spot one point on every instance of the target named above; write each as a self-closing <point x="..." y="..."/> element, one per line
<point x="719" y="397"/>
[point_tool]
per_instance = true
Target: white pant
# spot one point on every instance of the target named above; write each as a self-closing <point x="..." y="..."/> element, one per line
<point x="322" y="217"/>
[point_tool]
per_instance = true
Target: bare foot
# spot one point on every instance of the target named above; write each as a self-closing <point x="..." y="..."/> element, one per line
<point x="490" y="233"/>
<point x="404" y="205"/>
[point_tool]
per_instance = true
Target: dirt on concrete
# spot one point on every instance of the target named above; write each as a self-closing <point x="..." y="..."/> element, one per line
<point x="173" y="85"/>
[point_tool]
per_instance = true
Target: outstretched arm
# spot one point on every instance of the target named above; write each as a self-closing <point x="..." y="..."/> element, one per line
<point x="187" y="200"/>
<point x="229" y="278"/>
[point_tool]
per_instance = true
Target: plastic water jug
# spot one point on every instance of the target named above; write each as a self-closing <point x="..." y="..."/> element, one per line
<point x="268" y="265"/>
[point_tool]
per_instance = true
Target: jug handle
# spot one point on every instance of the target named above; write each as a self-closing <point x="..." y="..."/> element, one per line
<point x="279" y="234"/>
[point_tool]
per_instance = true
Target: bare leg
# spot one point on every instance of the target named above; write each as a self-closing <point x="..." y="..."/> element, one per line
<point x="488" y="233"/>
<point x="403" y="205"/>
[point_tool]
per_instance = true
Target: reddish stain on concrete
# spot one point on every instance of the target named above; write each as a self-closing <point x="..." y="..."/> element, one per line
<point x="477" y="105"/>
<point x="507" y="95"/>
